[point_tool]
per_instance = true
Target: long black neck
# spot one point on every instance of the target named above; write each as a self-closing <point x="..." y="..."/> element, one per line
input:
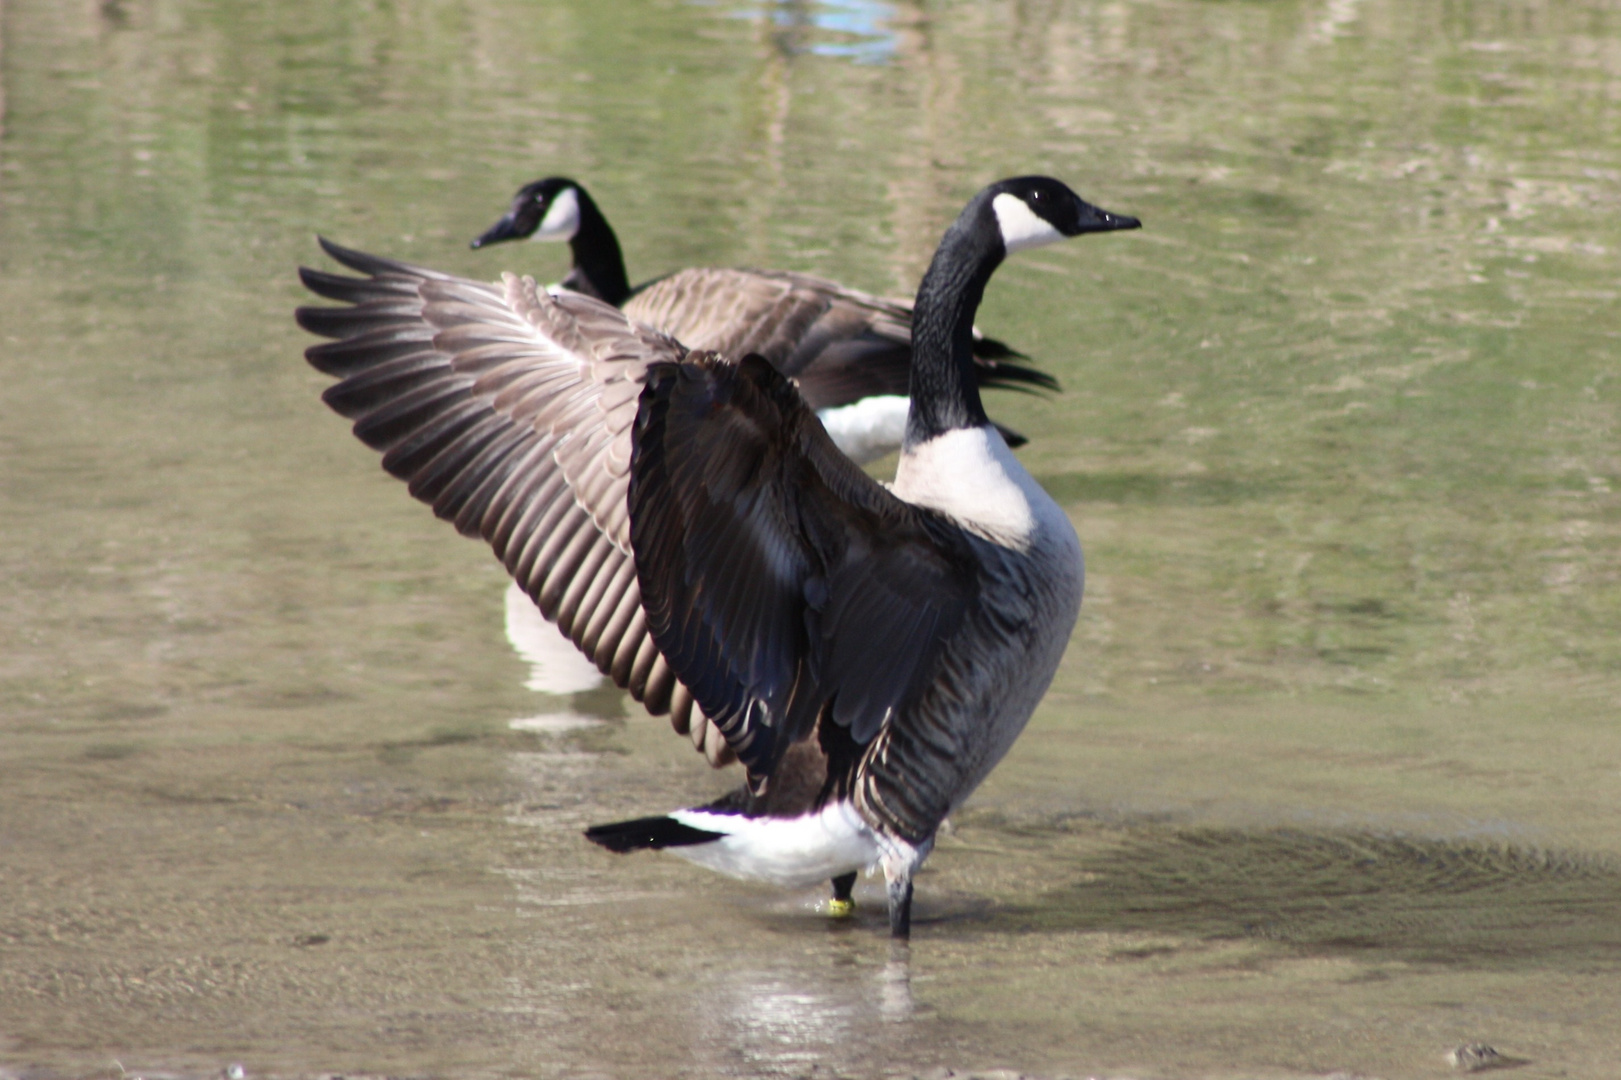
<point x="944" y="388"/>
<point x="599" y="268"/>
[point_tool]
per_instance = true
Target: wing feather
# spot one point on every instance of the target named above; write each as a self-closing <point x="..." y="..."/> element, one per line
<point x="511" y="413"/>
<point x="783" y="583"/>
<point x="840" y="344"/>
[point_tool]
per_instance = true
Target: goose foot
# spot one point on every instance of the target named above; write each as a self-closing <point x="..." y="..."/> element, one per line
<point x="842" y="903"/>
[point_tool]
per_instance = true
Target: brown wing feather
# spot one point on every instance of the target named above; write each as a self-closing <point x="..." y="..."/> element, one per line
<point x="510" y="412"/>
<point x="840" y="344"/>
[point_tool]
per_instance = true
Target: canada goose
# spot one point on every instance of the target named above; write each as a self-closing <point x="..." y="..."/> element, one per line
<point x="868" y="653"/>
<point x="849" y="351"/>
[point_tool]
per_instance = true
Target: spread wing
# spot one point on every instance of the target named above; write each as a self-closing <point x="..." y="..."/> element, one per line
<point x="840" y="344"/>
<point x="510" y="412"/>
<point x="783" y="583"/>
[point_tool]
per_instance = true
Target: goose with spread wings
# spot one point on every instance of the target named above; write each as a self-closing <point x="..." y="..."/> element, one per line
<point x="850" y="352"/>
<point x="868" y="653"/>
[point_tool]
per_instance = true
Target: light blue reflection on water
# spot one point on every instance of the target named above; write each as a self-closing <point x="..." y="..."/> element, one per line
<point x="857" y="29"/>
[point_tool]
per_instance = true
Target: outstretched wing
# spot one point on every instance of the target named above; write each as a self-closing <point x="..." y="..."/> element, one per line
<point x="840" y="344"/>
<point x="783" y="583"/>
<point x="509" y="411"/>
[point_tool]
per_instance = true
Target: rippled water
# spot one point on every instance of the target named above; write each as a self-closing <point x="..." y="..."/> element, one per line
<point x="1330" y="779"/>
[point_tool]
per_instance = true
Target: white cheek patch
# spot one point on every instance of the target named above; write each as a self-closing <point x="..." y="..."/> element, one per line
<point x="562" y="218"/>
<point x="1021" y="226"/>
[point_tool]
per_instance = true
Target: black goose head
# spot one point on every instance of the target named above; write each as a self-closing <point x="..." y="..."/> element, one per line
<point x="547" y="209"/>
<point x="1029" y="211"/>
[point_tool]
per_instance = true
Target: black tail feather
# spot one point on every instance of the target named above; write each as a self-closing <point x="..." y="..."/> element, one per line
<point x="648" y="832"/>
<point x="1007" y="376"/>
<point x="989" y="348"/>
<point x="1011" y="437"/>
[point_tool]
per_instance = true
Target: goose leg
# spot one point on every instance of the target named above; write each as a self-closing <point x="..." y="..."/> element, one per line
<point x="842" y="903"/>
<point x="900" y="904"/>
<point x="900" y="907"/>
<point x="900" y="863"/>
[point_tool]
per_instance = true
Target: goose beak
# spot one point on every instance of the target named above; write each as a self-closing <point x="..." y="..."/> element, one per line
<point x="1096" y="219"/>
<point x="505" y="229"/>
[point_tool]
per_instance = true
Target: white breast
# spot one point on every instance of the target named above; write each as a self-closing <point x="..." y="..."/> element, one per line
<point x="870" y="428"/>
<point x="970" y="474"/>
<point x="556" y="665"/>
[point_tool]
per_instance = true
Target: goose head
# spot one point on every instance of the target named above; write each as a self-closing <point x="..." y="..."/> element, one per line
<point x="548" y="209"/>
<point x="1030" y="211"/>
<point x="557" y="208"/>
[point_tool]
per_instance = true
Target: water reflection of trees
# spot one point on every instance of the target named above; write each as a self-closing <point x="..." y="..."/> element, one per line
<point x="736" y="118"/>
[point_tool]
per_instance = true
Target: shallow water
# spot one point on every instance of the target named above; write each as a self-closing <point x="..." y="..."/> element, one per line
<point x="1330" y="779"/>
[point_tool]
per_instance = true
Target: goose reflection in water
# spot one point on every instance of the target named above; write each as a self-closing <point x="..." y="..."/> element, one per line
<point x="555" y="666"/>
<point x="834" y="1017"/>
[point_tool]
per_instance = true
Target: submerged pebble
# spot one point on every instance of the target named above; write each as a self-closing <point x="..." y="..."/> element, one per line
<point x="1475" y="1057"/>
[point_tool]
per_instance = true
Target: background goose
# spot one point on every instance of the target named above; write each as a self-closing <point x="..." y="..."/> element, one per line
<point x="868" y="653"/>
<point x="849" y="351"/>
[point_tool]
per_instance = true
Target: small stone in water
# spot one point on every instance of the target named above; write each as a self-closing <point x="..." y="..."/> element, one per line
<point x="1474" y="1057"/>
